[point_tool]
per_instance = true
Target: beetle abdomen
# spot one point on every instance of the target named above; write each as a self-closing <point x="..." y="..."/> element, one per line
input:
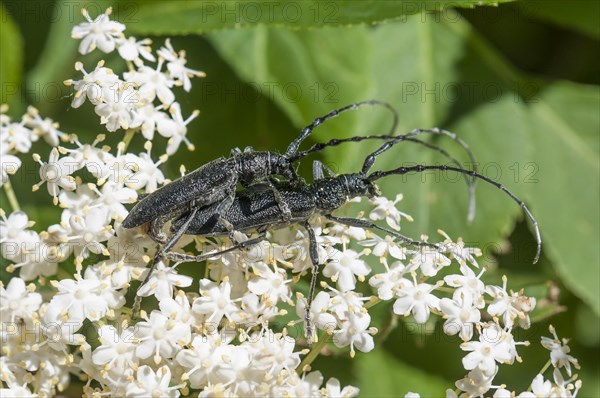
<point x="205" y="185"/>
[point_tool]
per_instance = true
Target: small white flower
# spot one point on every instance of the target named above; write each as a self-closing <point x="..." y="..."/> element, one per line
<point x="386" y="210"/>
<point x="76" y="202"/>
<point x="255" y="310"/>
<point x="461" y="316"/>
<point x="469" y="282"/>
<point x="203" y="357"/>
<point x="559" y="351"/>
<point x="116" y="349"/>
<point x="176" y="65"/>
<point x="119" y="105"/>
<point x="90" y="156"/>
<point x="175" y="128"/>
<point x="152" y="83"/>
<point x="17" y="391"/>
<point x="46" y="128"/>
<point x="493" y="346"/>
<point x="80" y="298"/>
<point x="305" y="386"/>
<point x="9" y="164"/>
<point x="179" y="309"/>
<point x="476" y="383"/>
<point x="88" y="232"/>
<point x="151" y="114"/>
<point x="384" y="246"/>
<point x="344" y="302"/>
<point x="151" y="384"/>
<point x="275" y="353"/>
<point x="130" y="49"/>
<point x="355" y="331"/>
<point x="539" y="388"/>
<point x="112" y="197"/>
<point x="318" y="308"/>
<point x="146" y="172"/>
<point x="347" y="233"/>
<point x="270" y="282"/>
<point x="429" y="261"/>
<point x="129" y="245"/>
<point x="163" y="282"/>
<point x="513" y="305"/>
<point x="92" y="85"/>
<point x="18" y="301"/>
<point x="416" y="298"/>
<point x="333" y="389"/>
<point x="17" y="137"/>
<point x="57" y="173"/>
<point x="100" y="32"/>
<point x="503" y="393"/>
<point x="215" y="301"/>
<point x="387" y="282"/>
<point x="344" y="266"/>
<point x="458" y="250"/>
<point x="14" y="231"/>
<point x="58" y="332"/>
<point x="160" y="336"/>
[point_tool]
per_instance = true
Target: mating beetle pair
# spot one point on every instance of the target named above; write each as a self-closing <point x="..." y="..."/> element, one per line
<point x="205" y="202"/>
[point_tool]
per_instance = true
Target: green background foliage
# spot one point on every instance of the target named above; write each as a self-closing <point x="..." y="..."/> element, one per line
<point x="517" y="81"/>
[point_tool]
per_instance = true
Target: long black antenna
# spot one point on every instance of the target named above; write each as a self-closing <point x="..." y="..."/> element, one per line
<point x="337" y="141"/>
<point x="293" y="147"/>
<point x="421" y="168"/>
<point x="370" y="160"/>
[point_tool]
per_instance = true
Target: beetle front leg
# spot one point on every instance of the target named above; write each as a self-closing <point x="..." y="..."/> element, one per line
<point x="319" y="169"/>
<point x="356" y="222"/>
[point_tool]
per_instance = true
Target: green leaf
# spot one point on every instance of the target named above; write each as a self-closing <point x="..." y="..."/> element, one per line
<point x="565" y="121"/>
<point x="11" y="60"/>
<point x="580" y="15"/>
<point x="181" y="17"/>
<point x="382" y="375"/>
<point x="54" y="63"/>
<point x="418" y="67"/>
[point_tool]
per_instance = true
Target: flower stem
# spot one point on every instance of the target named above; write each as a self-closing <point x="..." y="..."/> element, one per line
<point x="546" y="366"/>
<point x="10" y="194"/>
<point x="372" y="303"/>
<point x="314" y="353"/>
<point x="127" y="138"/>
<point x="544" y="369"/>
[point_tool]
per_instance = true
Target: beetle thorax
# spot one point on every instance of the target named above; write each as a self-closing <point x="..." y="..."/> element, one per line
<point x="256" y="166"/>
<point x="330" y="193"/>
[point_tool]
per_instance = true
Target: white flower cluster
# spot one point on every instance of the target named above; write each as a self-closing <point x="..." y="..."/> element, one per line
<point x="17" y="137"/>
<point x="234" y="336"/>
<point x="129" y="102"/>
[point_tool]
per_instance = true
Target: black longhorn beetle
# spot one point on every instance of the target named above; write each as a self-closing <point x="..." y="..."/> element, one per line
<point x="257" y="211"/>
<point x="213" y="185"/>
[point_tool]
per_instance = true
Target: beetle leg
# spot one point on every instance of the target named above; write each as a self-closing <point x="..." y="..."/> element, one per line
<point x="283" y="207"/>
<point x="181" y="257"/>
<point x="319" y="170"/>
<point x="314" y="258"/>
<point x="155" y="229"/>
<point x="159" y="254"/>
<point x="356" y="222"/>
<point x="222" y="208"/>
